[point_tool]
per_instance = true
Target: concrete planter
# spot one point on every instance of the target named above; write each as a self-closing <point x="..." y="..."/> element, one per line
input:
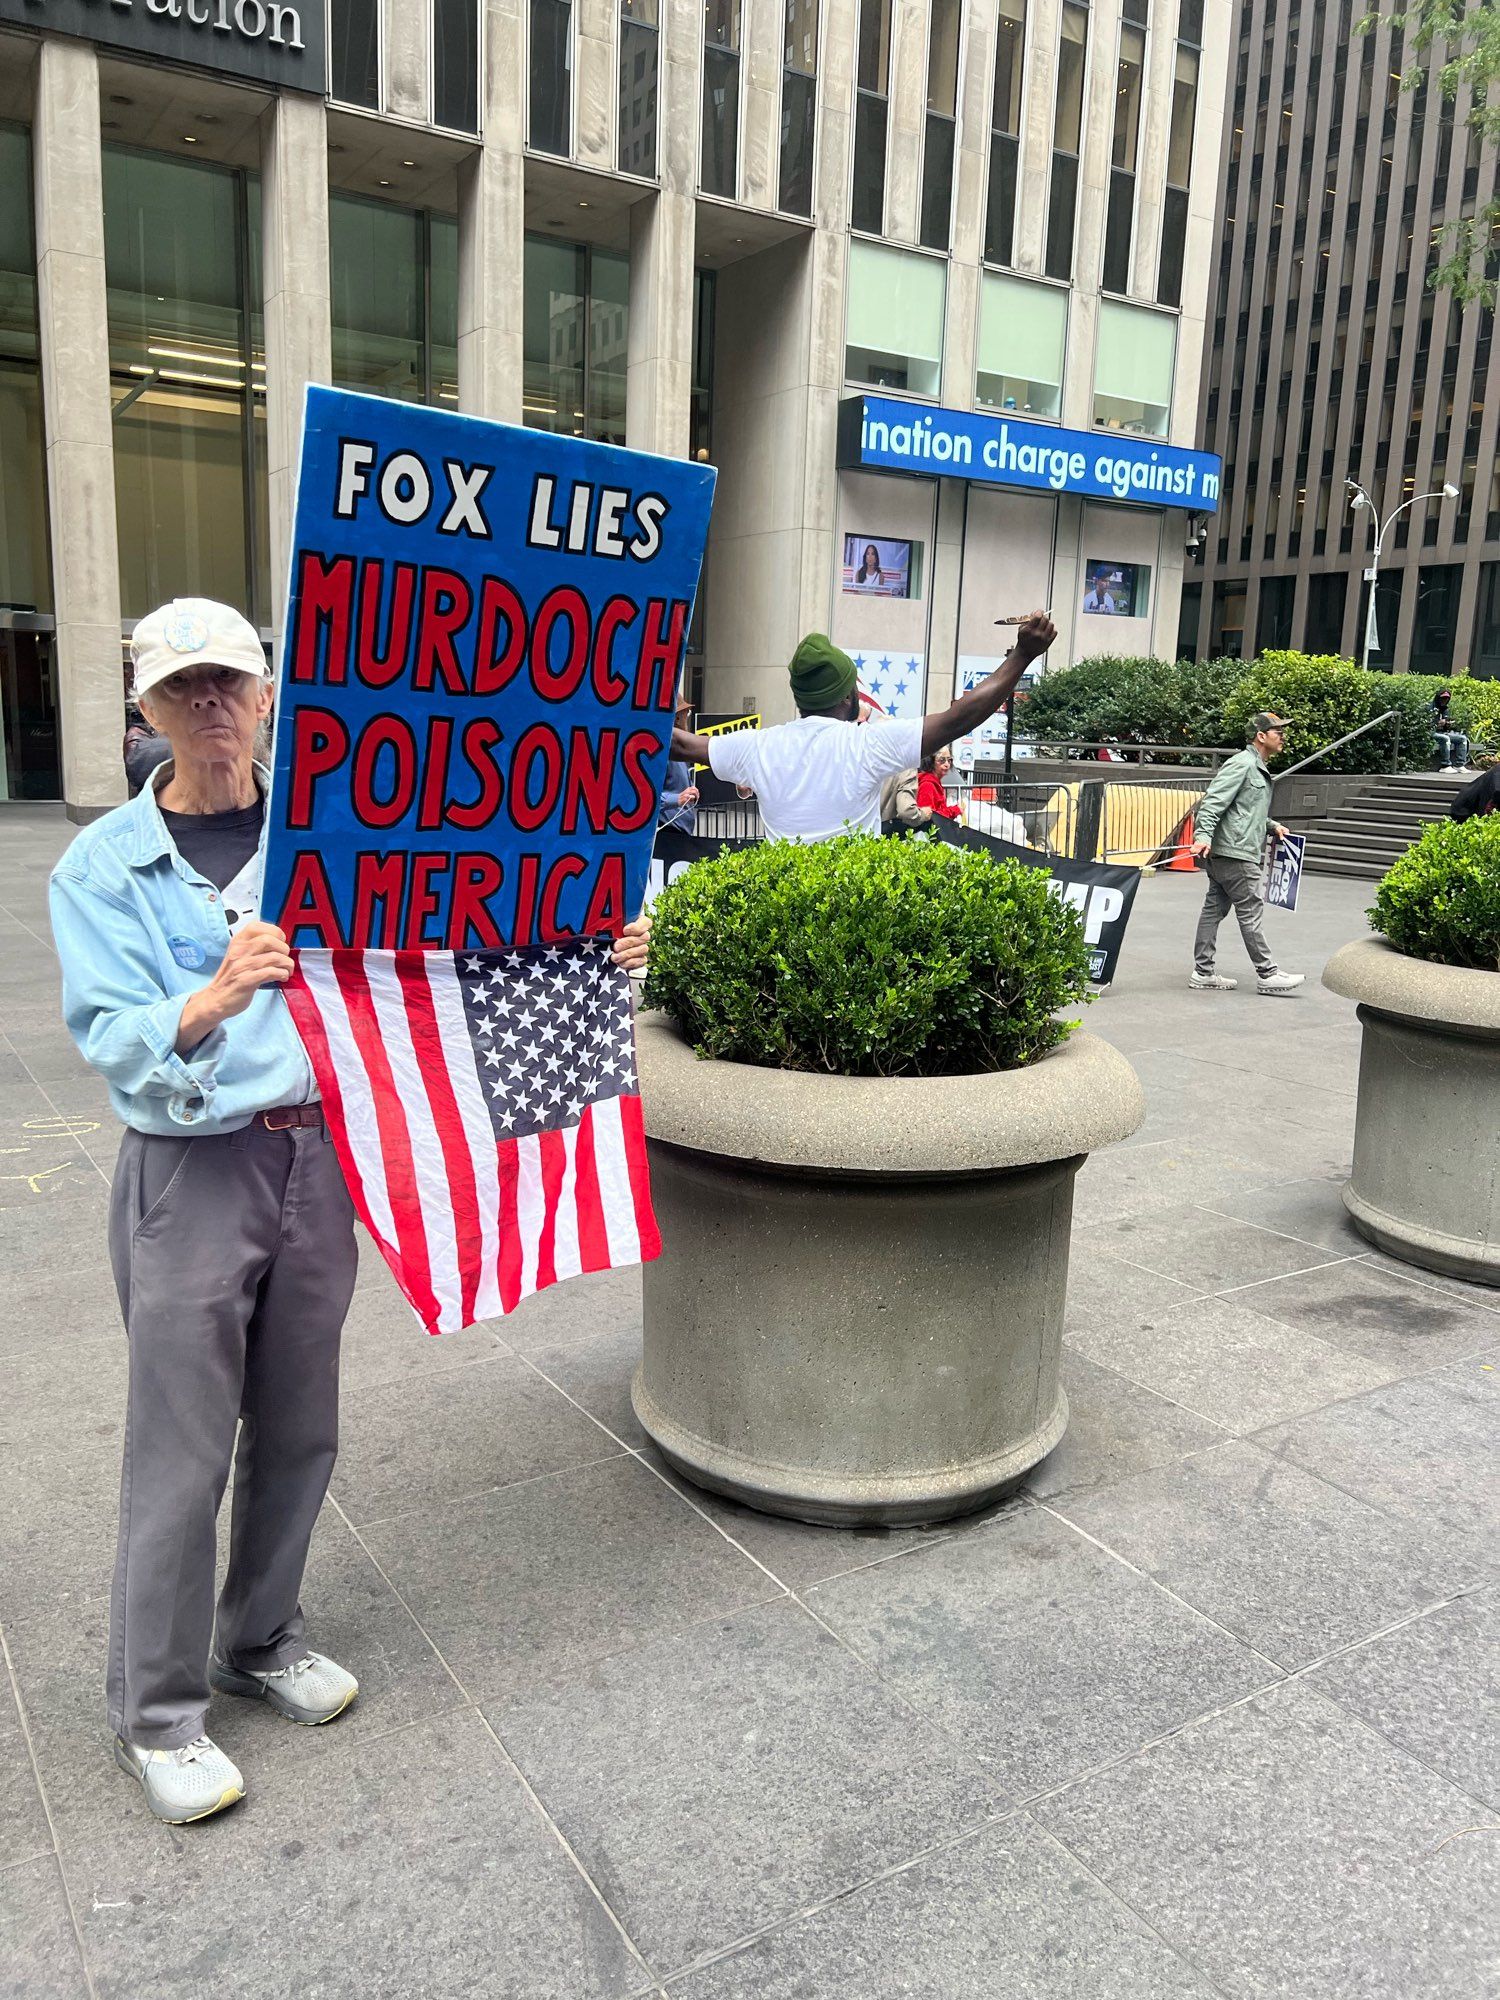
<point x="1426" y="1181"/>
<point x="859" y="1310"/>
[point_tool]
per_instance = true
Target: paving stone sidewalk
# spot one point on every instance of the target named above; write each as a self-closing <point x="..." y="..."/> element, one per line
<point x="1209" y="1710"/>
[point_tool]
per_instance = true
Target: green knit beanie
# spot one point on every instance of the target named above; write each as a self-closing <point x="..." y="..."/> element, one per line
<point x="822" y="675"/>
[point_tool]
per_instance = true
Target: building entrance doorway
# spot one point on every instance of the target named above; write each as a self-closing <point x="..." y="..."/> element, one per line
<point x="29" y="748"/>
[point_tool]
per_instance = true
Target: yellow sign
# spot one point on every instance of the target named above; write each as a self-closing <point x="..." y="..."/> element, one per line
<point x="734" y="723"/>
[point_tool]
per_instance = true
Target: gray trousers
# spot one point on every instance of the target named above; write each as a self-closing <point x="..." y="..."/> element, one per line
<point x="1232" y="885"/>
<point x="234" y="1258"/>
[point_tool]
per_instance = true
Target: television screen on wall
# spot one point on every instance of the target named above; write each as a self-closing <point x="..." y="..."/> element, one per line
<point x="1116" y="590"/>
<point x="876" y="567"/>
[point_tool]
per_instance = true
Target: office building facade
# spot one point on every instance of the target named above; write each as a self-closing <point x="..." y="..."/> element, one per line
<point x="925" y="279"/>
<point x="1330" y="358"/>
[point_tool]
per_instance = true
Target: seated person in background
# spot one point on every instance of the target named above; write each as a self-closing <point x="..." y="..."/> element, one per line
<point x="1453" y="744"/>
<point x="899" y="811"/>
<point x="931" y="791"/>
<point x="819" y="777"/>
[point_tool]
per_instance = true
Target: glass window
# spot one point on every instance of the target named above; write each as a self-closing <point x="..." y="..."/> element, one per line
<point x="1226" y="635"/>
<point x="1023" y="332"/>
<point x="871" y="112"/>
<point x="375" y="285"/>
<point x="1184" y="114"/>
<point x="354" y="52"/>
<point x="550" y="129"/>
<point x="1128" y="97"/>
<point x="29" y="755"/>
<point x="799" y="96"/>
<point x="393" y="279"/>
<point x="1067" y="128"/>
<point x="718" y="171"/>
<point x="1120" y="217"/>
<point x="455" y="64"/>
<point x="1326" y="598"/>
<point x="893" y="337"/>
<point x="442" y="296"/>
<point x="942" y="108"/>
<point x="701" y="422"/>
<point x="1435" y="618"/>
<point x="1189" y="618"/>
<point x="640" y="57"/>
<point x="25" y="571"/>
<point x="1173" y="246"/>
<point x="184" y="379"/>
<point x="576" y="312"/>
<point x="1273" y="617"/>
<point x="1133" y="369"/>
<point x="1487" y="624"/>
<point x="875" y="46"/>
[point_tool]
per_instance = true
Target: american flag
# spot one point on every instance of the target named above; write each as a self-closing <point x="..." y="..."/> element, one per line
<point x="486" y="1114"/>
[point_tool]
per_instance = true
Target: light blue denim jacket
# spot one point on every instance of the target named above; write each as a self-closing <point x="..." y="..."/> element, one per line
<point x="137" y="931"/>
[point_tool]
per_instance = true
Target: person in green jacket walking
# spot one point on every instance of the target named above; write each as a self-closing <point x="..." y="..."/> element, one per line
<point x="1230" y="840"/>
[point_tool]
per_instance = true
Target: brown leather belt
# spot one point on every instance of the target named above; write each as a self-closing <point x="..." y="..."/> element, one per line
<point x="283" y="1117"/>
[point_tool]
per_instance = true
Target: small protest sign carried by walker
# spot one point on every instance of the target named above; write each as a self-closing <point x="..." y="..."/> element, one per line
<point x="485" y="633"/>
<point x="1283" y="877"/>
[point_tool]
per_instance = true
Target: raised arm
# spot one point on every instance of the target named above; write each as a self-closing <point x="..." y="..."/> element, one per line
<point x="688" y="748"/>
<point x="980" y="703"/>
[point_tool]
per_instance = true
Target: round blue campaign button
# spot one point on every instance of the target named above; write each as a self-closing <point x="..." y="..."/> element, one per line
<point x="188" y="952"/>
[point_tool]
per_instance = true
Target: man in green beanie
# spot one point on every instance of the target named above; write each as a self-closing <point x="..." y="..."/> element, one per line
<point x="820" y="775"/>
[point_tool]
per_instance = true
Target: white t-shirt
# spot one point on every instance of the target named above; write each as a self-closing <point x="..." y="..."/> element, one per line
<point x="816" y="778"/>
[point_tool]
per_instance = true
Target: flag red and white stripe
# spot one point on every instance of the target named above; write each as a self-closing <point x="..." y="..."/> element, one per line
<point x="485" y="1112"/>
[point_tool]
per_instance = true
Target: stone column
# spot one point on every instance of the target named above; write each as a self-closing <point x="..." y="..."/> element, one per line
<point x="408" y="60"/>
<point x="1151" y="160"/>
<point x="971" y="176"/>
<point x="1039" y="74"/>
<point x="659" y="376"/>
<point x="492" y="229"/>
<point x="663" y="235"/>
<point x="598" y="85"/>
<point x="299" y="335"/>
<point x="763" y="31"/>
<point x="1093" y="196"/>
<point x="72" y="308"/>
<point x="908" y="117"/>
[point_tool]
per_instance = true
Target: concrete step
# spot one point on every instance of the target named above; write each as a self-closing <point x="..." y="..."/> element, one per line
<point x="1361" y="871"/>
<point x="1352" y="844"/>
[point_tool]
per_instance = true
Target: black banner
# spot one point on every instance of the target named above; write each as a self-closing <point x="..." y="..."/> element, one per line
<point x="254" y="41"/>
<point x="1102" y="895"/>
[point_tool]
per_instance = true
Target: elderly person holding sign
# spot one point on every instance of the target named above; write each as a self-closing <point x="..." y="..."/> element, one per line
<point x="231" y="1231"/>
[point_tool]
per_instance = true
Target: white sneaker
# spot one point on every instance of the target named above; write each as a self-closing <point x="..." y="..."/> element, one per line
<point x="1281" y="982"/>
<point x="310" y="1690"/>
<point x="183" y="1785"/>
<point x="1211" y="982"/>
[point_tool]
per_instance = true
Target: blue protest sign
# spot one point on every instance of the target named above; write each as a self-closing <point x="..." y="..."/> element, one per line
<point x="1284" y="871"/>
<point x="485" y="629"/>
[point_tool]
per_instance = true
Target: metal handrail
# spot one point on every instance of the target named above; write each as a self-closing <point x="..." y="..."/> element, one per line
<point x="1339" y="742"/>
<point x="1142" y="750"/>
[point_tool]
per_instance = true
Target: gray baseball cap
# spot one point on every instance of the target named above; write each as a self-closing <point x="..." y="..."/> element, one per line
<point x="1264" y="719"/>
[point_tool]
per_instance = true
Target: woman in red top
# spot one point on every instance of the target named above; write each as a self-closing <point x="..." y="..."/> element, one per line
<point x="930" y="791"/>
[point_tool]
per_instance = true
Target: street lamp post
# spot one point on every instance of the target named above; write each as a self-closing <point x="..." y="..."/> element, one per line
<point x="1382" y="528"/>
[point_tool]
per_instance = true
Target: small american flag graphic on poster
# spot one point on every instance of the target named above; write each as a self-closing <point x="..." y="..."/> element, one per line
<point x="485" y="1111"/>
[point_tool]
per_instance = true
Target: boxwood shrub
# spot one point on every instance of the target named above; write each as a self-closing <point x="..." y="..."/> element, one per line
<point x="866" y="957"/>
<point x="1325" y="697"/>
<point x="1441" y="900"/>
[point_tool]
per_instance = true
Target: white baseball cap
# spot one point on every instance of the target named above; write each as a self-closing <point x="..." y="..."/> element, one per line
<point x="194" y="632"/>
